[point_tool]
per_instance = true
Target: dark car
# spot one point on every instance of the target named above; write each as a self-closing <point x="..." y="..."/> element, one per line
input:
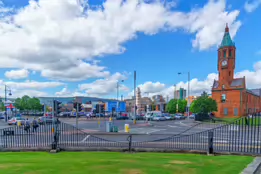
<point x="138" y="117"/>
<point x="122" y="118"/>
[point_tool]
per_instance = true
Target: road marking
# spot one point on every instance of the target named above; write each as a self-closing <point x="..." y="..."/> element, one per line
<point x="85" y="138"/>
<point x="172" y="126"/>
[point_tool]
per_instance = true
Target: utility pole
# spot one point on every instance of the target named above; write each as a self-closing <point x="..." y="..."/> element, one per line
<point x="5" y="105"/>
<point x="135" y="95"/>
<point x="99" y="116"/>
<point x="77" y="110"/>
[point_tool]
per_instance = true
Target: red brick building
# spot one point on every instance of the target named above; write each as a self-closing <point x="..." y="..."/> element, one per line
<point x="231" y="94"/>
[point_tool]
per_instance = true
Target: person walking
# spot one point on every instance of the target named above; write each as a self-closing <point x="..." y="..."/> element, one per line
<point x="27" y="126"/>
<point x="35" y="125"/>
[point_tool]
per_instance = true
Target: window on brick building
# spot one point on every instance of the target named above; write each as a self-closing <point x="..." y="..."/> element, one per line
<point x="229" y="73"/>
<point x="235" y="111"/>
<point x="225" y="111"/>
<point x="224" y="53"/>
<point x="230" y="53"/>
<point x="223" y="86"/>
<point x="223" y="98"/>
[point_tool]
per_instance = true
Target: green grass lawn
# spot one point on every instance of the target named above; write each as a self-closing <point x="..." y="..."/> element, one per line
<point x="119" y="163"/>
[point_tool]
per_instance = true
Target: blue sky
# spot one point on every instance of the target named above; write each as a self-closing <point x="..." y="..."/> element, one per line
<point x="156" y="52"/>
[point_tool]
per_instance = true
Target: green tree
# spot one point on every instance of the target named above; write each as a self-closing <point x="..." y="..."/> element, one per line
<point x="17" y="104"/>
<point x="203" y="104"/>
<point x="24" y="102"/>
<point x="34" y="104"/>
<point x="2" y="106"/>
<point x="171" y="106"/>
<point x="182" y="104"/>
<point x="173" y="103"/>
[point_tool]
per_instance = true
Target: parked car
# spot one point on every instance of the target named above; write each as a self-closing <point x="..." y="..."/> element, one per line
<point x="159" y="118"/>
<point x="122" y="118"/>
<point x="167" y="116"/>
<point x="45" y="120"/>
<point x="2" y="115"/>
<point x="179" y="117"/>
<point x="14" y="120"/>
<point x="149" y="115"/>
<point x="192" y="116"/>
<point x="138" y="117"/>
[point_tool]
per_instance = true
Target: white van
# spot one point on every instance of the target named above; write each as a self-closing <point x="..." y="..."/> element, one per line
<point x="149" y="115"/>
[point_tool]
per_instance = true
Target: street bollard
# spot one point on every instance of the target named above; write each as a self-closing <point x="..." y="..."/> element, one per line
<point x="134" y="121"/>
<point x="210" y="143"/>
<point x="127" y="128"/>
<point x="19" y="123"/>
<point x="110" y="119"/>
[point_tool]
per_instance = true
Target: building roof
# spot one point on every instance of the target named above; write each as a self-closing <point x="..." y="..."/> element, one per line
<point x="237" y="82"/>
<point x="256" y="92"/>
<point x="226" y="41"/>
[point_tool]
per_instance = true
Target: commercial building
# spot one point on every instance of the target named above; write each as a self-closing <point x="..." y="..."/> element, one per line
<point x="89" y="103"/>
<point x="145" y="105"/>
<point x="231" y="94"/>
<point x="180" y="94"/>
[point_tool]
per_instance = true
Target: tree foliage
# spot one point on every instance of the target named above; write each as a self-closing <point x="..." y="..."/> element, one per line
<point x="26" y="103"/>
<point x="203" y="104"/>
<point x="174" y="103"/>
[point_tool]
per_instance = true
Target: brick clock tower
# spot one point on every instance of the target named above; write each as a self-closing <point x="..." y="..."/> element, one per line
<point x="226" y="60"/>
<point x="227" y="90"/>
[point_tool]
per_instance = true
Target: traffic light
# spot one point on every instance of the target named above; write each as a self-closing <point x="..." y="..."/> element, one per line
<point x="75" y="105"/>
<point x="102" y="108"/>
<point x="54" y="106"/>
<point x="58" y="107"/>
<point x="97" y="108"/>
<point x="80" y="107"/>
<point x="43" y="107"/>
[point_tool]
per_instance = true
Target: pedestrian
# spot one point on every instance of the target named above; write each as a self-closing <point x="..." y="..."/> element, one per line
<point x="27" y="126"/>
<point x="35" y="125"/>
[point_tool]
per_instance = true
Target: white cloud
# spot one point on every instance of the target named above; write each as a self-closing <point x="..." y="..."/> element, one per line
<point x="31" y="88"/>
<point x="17" y="74"/>
<point x="32" y="84"/>
<point x="103" y="87"/>
<point x="197" y="86"/>
<point x="63" y="92"/>
<point x="251" y="6"/>
<point x="32" y="93"/>
<point x="58" y="38"/>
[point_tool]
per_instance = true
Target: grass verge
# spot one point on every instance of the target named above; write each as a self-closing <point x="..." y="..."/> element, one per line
<point x="119" y="163"/>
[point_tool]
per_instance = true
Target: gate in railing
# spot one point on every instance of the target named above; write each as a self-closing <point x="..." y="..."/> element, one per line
<point x="242" y="136"/>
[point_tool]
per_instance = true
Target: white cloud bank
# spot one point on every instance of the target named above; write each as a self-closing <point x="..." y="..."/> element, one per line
<point x="60" y="38"/>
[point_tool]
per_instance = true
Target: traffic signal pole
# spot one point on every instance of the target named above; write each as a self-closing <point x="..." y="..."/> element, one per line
<point x="99" y="121"/>
<point x="77" y="110"/>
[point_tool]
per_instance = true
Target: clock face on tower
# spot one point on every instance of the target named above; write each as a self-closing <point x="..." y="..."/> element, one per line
<point x="224" y="63"/>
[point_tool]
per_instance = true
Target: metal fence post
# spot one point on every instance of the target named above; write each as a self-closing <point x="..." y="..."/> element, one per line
<point x="130" y="142"/>
<point x="210" y="142"/>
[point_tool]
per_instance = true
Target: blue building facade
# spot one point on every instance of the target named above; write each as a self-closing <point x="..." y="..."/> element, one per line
<point x="110" y="104"/>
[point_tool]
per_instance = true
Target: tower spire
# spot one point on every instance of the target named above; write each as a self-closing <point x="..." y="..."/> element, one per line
<point x="226" y="41"/>
<point x="227" y="29"/>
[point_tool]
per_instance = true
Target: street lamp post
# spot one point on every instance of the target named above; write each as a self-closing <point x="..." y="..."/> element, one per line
<point x="7" y="89"/>
<point x="118" y="85"/>
<point x="188" y="73"/>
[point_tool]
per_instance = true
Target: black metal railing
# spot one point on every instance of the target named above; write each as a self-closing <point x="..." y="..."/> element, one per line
<point x="241" y="136"/>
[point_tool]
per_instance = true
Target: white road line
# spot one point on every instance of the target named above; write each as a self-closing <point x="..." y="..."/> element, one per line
<point x="85" y="138"/>
<point x="172" y="126"/>
<point x="184" y="124"/>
